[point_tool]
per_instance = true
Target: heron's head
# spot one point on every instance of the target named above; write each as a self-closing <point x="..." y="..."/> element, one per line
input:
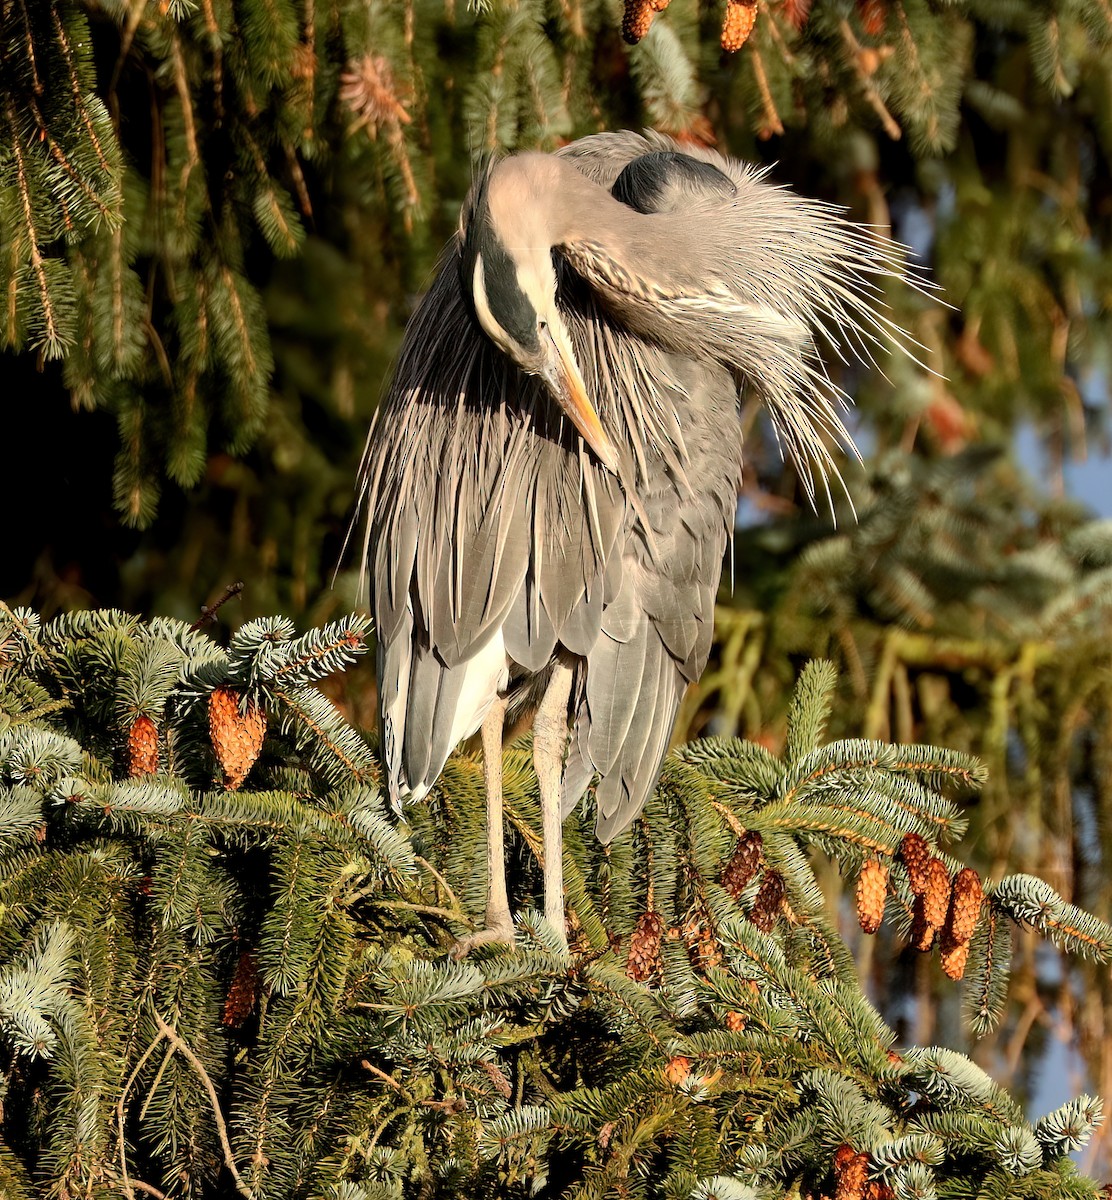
<point x="509" y="230"/>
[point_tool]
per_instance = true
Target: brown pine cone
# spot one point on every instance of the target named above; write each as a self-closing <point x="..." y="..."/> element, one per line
<point x="744" y="863"/>
<point x="244" y="990"/>
<point x="644" y="960"/>
<point x="237" y="737"/>
<point x="767" y="902"/>
<point x="936" y="899"/>
<point x="851" y="1172"/>
<point x="741" y="16"/>
<point x="700" y="939"/>
<point x="965" y="906"/>
<point x="637" y="17"/>
<point x="142" y="747"/>
<point x="658" y="5"/>
<point x="735" y="1021"/>
<point x="953" y="956"/>
<point x="915" y="855"/>
<point x="872" y="885"/>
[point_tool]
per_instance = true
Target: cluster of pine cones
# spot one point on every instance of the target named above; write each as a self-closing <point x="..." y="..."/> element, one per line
<point x="741" y="16"/>
<point x="945" y="910"/>
<point x="237" y="731"/>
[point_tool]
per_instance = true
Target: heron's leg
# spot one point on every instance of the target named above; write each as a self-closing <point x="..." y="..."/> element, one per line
<point x="499" y="923"/>
<point x="550" y="739"/>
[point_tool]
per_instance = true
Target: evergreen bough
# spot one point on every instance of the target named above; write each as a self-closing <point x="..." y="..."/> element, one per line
<point x="206" y="990"/>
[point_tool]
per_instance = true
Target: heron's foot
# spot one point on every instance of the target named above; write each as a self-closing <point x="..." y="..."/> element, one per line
<point x="503" y="934"/>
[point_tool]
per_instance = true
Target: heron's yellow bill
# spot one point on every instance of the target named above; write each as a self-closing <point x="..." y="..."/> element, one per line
<point x="567" y="384"/>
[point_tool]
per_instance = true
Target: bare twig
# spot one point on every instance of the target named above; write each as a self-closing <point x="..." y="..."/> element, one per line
<point x="121" y="1104"/>
<point x="221" y="1127"/>
<point x="208" y="611"/>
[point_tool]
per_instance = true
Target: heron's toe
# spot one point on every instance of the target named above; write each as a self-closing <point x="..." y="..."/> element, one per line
<point x="482" y="937"/>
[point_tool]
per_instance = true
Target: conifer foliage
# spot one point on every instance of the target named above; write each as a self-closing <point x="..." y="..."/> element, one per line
<point x="207" y="989"/>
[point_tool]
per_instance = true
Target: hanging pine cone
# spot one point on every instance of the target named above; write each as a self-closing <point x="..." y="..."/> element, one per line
<point x="874" y="16"/>
<point x="851" y="1172"/>
<point x="658" y="5"/>
<point x="244" y="990"/>
<point x="767" y="902"/>
<point x="700" y="939"/>
<point x="237" y="737"/>
<point x="741" y="16"/>
<point x="796" y="12"/>
<point x="966" y="898"/>
<point x="735" y="1021"/>
<point x="744" y="863"/>
<point x="915" y="855"/>
<point x="953" y="956"/>
<point x="872" y="885"/>
<point x="644" y="960"/>
<point x="637" y="17"/>
<point x="936" y="898"/>
<point x="142" y="747"/>
<point x="677" y="1069"/>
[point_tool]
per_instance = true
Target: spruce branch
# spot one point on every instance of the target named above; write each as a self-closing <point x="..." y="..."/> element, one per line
<point x="54" y="338"/>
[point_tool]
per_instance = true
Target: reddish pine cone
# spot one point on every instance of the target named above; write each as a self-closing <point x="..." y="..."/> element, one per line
<point x="965" y="906"/>
<point x="767" y="902"/>
<point x="644" y="947"/>
<point x="658" y="5"/>
<point x="237" y="737"/>
<point x="744" y="863"/>
<point x="142" y="747"/>
<point x="936" y="898"/>
<point x="872" y="885"/>
<point x="953" y="957"/>
<point x="851" y="1172"/>
<point x="735" y="1021"/>
<point x="741" y="16"/>
<point x="915" y="855"/>
<point x="244" y="990"/>
<point x="874" y="16"/>
<point x="637" y="17"/>
<point x="796" y="12"/>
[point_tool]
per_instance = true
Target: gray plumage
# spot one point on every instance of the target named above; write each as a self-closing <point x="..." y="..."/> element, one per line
<point x="500" y="541"/>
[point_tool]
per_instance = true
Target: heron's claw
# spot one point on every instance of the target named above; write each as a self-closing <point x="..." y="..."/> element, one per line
<point x="482" y="937"/>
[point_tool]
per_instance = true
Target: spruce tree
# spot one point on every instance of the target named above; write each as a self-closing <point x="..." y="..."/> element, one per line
<point x="223" y="959"/>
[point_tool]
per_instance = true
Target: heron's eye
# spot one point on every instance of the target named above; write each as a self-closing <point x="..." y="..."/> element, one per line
<point x="542" y="325"/>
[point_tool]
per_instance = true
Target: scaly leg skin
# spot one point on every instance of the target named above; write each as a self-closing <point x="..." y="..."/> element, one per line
<point x="550" y="739"/>
<point x="499" y="924"/>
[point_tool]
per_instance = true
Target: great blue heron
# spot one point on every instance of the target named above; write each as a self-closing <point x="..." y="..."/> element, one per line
<point x="552" y="478"/>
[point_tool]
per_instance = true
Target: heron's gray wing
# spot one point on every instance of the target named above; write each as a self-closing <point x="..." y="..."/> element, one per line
<point x="486" y="524"/>
<point x="623" y="726"/>
<point x="656" y="631"/>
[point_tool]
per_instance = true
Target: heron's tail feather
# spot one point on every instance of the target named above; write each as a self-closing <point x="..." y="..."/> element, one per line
<point x="429" y="708"/>
<point x="622" y="726"/>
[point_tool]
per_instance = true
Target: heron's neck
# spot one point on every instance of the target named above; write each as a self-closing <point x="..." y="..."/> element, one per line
<point x="657" y="249"/>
